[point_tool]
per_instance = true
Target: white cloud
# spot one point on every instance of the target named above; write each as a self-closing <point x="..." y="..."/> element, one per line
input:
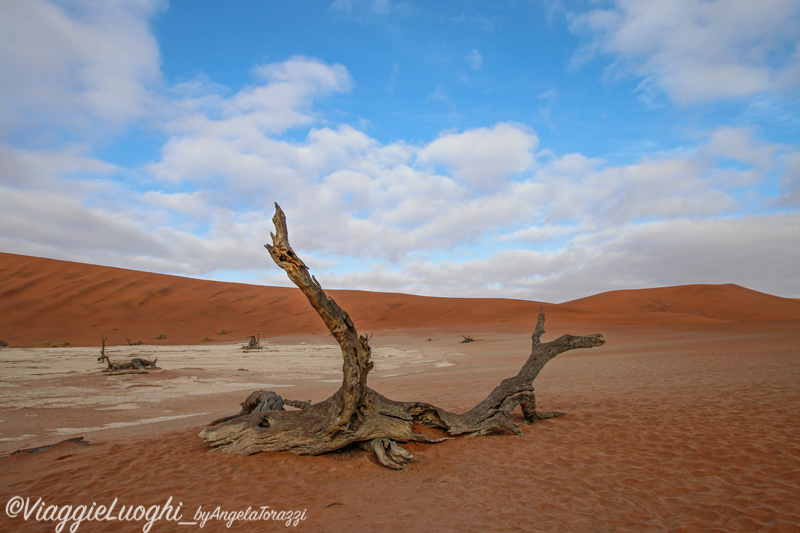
<point x="371" y="10"/>
<point x="754" y="251"/>
<point x="562" y="228"/>
<point x="143" y="236"/>
<point x="739" y="144"/>
<point x="292" y="84"/>
<point x="64" y="224"/>
<point x="40" y="168"/>
<point x="481" y="212"/>
<point x="475" y="59"/>
<point x="282" y="101"/>
<point x="479" y="22"/>
<point x="698" y="50"/>
<point x="790" y="179"/>
<point x="660" y="188"/>
<point x="349" y="196"/>
<point x="542" y="233"/>
<point x="438" y="94"/>
<point x="550" y="95"/>
<point x="234" y="140"/>
<point x="76" y="65"/>
<point x="484" y="157"/>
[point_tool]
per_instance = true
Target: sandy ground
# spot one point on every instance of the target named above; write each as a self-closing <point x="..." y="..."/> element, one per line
<point x="47" y="393"/>
<point x="670" y="428"/>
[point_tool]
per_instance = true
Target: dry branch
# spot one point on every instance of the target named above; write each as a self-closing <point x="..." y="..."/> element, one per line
<point x="137" y="365"/>
<point x="356" y="414"/>
<point x="39" y="449"/>
<point x="253" y="344"/>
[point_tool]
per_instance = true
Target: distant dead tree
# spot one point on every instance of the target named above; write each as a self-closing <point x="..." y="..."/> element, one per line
<point x="358" y="415"/>
<point x="254" y="344"/>
<point x="136" y="365"/>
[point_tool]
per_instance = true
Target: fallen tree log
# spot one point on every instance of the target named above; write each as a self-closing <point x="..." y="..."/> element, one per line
<point x="356" y="414"/>
<point x="137" y="365"/>
<point x="47" y="447"/>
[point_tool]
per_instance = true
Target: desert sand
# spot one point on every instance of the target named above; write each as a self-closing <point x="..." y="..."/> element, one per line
<point x="687" y="419"/>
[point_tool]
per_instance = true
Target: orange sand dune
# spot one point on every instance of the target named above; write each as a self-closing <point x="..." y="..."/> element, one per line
<point x="730" y="303"/>
<point x="50" y="301"/>
<point x="45" y="300"/>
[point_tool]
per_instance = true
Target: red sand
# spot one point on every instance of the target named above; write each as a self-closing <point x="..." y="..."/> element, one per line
<point x="688" y="419"/>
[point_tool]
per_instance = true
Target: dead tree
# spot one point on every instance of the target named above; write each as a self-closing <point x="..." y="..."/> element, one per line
<point x="356" y="414"/>
<point x="254" y="344"/>
<point x="136" y="365"/>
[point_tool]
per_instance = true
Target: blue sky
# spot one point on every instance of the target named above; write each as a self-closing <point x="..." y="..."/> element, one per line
<point x="542" y="150"/>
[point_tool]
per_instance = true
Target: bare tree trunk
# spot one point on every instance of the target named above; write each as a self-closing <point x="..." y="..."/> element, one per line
<point x="356" y="413"/>
<point x="254" y="344"/>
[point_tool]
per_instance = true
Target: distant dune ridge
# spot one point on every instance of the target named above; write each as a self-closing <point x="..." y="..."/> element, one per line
<point x="46" y="300"/>
<point x="729" y="303"/>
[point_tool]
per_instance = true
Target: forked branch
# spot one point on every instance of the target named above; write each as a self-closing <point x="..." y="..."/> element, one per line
<point x="356" y="414"/>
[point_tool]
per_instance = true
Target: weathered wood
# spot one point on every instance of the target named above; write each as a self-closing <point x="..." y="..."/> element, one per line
<point x="39" y="449"/>
<point x="254" y="344"/>
<point x="137" y="365"/>
<point x="356" y="414"/>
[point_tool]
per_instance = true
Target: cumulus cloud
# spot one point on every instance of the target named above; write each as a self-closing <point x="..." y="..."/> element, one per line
<point x="70" y="230"/>
<point x="484" y="211"/>
<point x="484" y="157"/>
<point x="698" y="50"/>
<point x="753" y="251"/>
<point x="282" y="100"/>
<point x="563" y="225"/>
<point x="44" y="168"/>
<point x="740" y="144"/>
<point x="409" y="215"/>
<point x="790" y="179"/>
<point x="76" y="65"/>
